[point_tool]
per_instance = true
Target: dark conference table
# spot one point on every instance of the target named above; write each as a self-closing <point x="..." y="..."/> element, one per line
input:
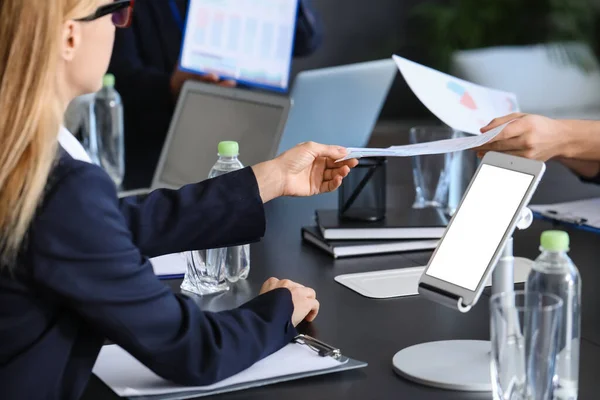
<point x="374" y="330"/>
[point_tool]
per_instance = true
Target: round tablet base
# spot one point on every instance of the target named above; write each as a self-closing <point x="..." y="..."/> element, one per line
<point x="462" y="365"/>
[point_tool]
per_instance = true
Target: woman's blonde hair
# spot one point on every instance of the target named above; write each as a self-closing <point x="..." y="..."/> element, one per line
<point x="30" y="108"/>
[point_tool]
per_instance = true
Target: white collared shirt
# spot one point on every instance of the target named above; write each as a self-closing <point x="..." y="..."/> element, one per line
<point x="72" y="145"/>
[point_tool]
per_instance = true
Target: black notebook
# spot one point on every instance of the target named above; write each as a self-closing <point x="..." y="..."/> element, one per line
<point x="427" y="223"/>
<point x="350" y="248"/>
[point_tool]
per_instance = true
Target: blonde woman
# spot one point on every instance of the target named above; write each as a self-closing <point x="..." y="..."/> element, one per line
<point x="74" y="267"/>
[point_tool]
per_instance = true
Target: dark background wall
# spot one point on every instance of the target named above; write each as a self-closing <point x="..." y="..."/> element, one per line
<point x="363" y="30"/>
<point x="360" y="30"/>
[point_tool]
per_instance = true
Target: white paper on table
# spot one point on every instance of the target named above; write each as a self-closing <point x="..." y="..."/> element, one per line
<point x="169" y="264"/>
<point x="462" y="105"/>
<point x="126" y="376"/>
<point x="418" y="149"/>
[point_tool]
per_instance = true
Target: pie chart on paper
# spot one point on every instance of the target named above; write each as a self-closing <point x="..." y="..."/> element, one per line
<point x="465" y="98"/>
<point x="512" y="105"/>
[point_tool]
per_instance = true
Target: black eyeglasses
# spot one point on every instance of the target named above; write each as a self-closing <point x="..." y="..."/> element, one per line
<point x="121" y="10"/>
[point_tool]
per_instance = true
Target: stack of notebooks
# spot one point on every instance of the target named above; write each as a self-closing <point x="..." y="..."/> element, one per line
<point x="400" y="231"/>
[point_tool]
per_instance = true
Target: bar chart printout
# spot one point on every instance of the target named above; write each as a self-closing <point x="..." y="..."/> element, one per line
<point x="246" y="40"/>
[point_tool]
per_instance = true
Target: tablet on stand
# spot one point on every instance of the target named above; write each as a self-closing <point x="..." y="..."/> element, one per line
<point x="476" y="244"/>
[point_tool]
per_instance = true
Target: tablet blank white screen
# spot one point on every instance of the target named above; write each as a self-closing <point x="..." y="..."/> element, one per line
<point x="248" y="40"/>
<point x="479" y="225"/>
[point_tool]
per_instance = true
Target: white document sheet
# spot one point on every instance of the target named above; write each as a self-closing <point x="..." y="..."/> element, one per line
<point x="169" y="265"/>
<point x="126" y="376"/>
<point x="435" y="147"/>
<point x="462" y="105"/>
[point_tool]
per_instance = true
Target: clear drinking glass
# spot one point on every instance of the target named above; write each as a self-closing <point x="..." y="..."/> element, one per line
<point x="203" y="278"/>
<point x="462" y="169"/>
<point x="524" y="335"/>
<point x="431" y="173"/>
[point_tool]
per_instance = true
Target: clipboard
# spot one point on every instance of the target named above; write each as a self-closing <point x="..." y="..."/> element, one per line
<point x="130" y="379"/>
<point x="581" y="214"/>
<point x="573" y="223"/>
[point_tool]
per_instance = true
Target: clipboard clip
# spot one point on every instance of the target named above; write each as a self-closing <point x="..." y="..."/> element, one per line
<point x="563" y="218"/>
<point x="322" y="348"/>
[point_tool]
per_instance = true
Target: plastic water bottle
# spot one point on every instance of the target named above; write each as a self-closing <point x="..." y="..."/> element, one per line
<point x="554" y="272"/>
<point x="106" y="132"/>
<point x="235" y="260"/>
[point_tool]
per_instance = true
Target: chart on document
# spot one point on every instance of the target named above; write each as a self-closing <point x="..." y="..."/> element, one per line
<point x="247" y="40"/>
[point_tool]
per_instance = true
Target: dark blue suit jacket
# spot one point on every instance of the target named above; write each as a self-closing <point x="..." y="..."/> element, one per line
<point x="84" y="276"/>
<point x="144" y="58"/>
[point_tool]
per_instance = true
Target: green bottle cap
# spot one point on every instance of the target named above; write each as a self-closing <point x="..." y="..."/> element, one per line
<point x="108" y="80"/>
<point x="229" y="149"/>
<point x="555" y="241"/>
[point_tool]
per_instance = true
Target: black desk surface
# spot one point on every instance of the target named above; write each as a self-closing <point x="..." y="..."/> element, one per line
<point x="374" y="330"/>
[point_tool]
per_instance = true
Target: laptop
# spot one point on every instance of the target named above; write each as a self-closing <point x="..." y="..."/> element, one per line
<point x="208" y="114"/>
<point x="338" y="105"/>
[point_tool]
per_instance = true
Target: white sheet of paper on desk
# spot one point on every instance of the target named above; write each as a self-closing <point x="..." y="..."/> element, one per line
<point x="126" y="376"/>
<point x="435" y="147"/>
<point x="462" y="105"/>
<point x="168" y="265"/>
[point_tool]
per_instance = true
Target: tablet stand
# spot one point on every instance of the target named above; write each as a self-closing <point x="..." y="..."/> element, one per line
<point x="462" y="365"/>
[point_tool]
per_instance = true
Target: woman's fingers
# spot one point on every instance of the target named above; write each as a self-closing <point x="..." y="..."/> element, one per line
<point x="332" y="173"/>
<point x="351" y="163"/>
<point x="314" y="311"/>
<point x="512" y="144"/>
<point x="331" y="185"/>
<point x="286" y="283"/>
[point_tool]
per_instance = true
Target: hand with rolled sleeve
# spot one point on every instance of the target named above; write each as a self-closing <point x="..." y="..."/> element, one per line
<point x="530" y="136"/>
<point x="574" y="143"/>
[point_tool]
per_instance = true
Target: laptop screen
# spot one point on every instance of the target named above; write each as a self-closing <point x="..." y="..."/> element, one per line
<point x="205" y="119"/>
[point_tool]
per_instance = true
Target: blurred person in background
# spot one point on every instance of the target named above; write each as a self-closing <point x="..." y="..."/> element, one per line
<point x="145" y="61"/>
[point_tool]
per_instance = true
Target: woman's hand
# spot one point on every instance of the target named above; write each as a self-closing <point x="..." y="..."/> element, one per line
<point x="306" y="306"/>
<point x="305" y="170"/>
<point x="530" y="136"/>
<point x="311" y="168"/>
